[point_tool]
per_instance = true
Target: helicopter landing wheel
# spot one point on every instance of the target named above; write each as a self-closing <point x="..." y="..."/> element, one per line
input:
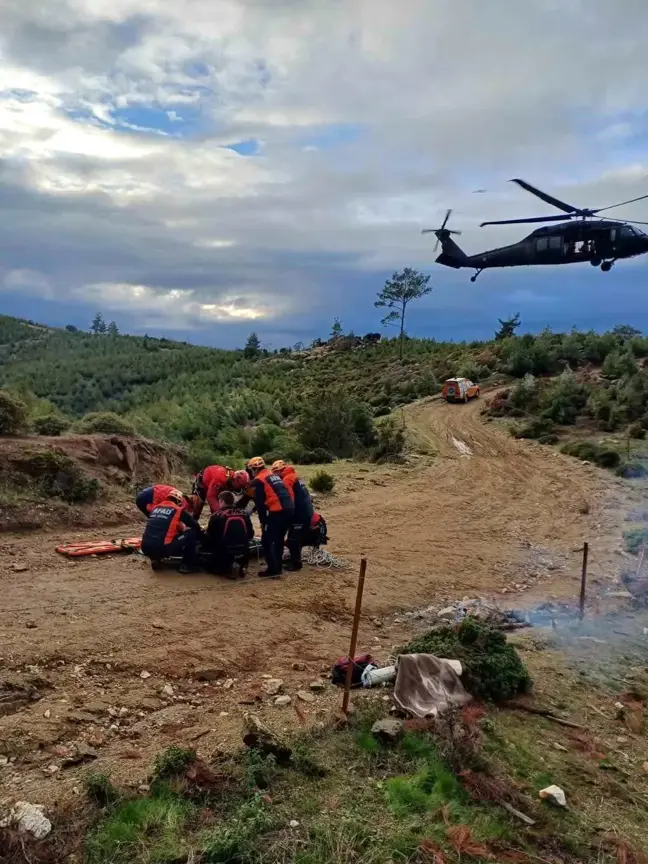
<point x="473" y="278"/>
<point x="606" y="266"/>
<point x="595" y="262"/>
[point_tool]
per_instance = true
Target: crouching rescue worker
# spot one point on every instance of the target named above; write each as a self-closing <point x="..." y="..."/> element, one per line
<point x="302" y="514"/>
<point x="213" y="480"/>
<point x="275" y="510"/>
<point x="227" y="542"/>
<point x="172" y="532"/>
<point x="150" y="497"/>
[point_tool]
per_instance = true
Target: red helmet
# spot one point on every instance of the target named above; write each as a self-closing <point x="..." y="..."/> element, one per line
<point x="240" y="480"/>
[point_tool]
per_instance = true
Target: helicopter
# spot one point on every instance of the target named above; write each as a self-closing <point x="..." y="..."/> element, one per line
<point x="602" y="241"/>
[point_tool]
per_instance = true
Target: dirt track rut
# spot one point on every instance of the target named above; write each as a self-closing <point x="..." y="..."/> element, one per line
<point x="473" y="520"/>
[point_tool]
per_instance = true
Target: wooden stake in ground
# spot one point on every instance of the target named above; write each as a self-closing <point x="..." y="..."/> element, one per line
<point x="354" y="636"/>
<point x="583" y="581"/>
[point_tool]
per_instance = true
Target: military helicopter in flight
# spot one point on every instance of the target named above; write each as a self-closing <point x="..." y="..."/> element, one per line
<point x="601" y="241"/>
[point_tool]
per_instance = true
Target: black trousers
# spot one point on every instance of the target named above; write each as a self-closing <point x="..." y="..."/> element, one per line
<point x="272" y="540"/>
<point x="295" y="542"/>
<point x="221" y="560"/>
<point x="184" y="546"/>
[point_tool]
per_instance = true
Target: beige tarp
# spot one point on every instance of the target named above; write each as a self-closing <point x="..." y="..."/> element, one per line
<point x="426" y="685"/>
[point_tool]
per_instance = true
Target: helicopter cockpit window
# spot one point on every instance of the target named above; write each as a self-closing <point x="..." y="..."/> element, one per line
<point x="555" y="242"/>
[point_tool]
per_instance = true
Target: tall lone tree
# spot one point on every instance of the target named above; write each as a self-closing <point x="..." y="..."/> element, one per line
<point x="113" y="329"/>
<point x="252" y="347"/>
<point x="336" y="329"/>
<point x="398" y="292"/>
<point x="508" y="326"/>
<point x="98" y="324"/>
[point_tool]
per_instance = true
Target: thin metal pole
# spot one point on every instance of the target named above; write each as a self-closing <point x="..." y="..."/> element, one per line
<point x="583" y="580"/>
<point x="354" y="635"/>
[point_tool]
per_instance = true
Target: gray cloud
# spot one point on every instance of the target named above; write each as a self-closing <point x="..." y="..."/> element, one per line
<point x="445" y="96"/>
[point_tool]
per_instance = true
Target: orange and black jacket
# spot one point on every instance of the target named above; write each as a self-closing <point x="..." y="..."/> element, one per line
<point x="271" y="495"/>
<point x="300" y="496"/>
<point x="150" y="497"/>
<point x="163" y="525"/>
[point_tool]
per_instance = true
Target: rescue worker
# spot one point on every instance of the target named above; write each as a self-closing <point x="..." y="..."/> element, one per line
<point x="213" y="480"/>
<point x="276" y="511"/>
<point x="227" y="542"/>
<point x="303" y="513"/>
<point x="170" y="532"/>
<point x="150" y="497"/>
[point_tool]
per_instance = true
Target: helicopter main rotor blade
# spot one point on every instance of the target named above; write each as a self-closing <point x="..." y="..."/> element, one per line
<point x="548" y="199"/>
<point x="521" y="221"/>
<point x="618" y="221"/>
<point x="611" y="206"/>
<point x="447" y="216"/>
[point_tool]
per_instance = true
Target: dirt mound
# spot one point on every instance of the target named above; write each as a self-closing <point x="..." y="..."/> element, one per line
<point x="46" y="481"/>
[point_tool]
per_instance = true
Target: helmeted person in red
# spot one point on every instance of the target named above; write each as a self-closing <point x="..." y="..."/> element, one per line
<point x="150" y="497"/>
<point x="213" y="480"/>
<point x="303" y="512"/>
<point x="275" y="509"/>
<point x="172" y="532"/>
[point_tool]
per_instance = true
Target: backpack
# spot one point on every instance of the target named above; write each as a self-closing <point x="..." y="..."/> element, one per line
<point x="235" y="533"/>
<point x="316" y="535"/>
<point x="360" y="663"/>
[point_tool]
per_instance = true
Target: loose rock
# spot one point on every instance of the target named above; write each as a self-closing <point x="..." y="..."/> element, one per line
<point x="167" y="690"/>
<point x="144" y="674"/>
<point x="273" y="686"/>
<point x="304" y="696"/>
<point x="259" y="737"/>
<point x="388" y="730"/>
<point x="31" y="819"/>
<point x="282" y="701"/>
<point x="20" y="568"/>
<point x="318" y="686"/>
<point x="554" y="795"/>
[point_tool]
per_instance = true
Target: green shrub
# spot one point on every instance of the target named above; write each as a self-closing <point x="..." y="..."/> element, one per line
<point x="492" y="669"/>
<point x="105" y="423"/>
<point x="619" y="364"/>
<point x="564" y="399"/>
<point x="538" y="427"/>
<point x="58" y="476"/>
<point x="322" y="481"/>
<point x="319" y="456"/>
<point x="391" y="441"/>
<point x="50" y="424"/>
<point x="634" y="539"/>
<point x="13" y="414"/>
<point x="632" y="470"/>
<point x="328" y="421"/>
<point x="590" y="451"/>
<point x="636" y="430"/>
<point x="173" y="762"/>
<point x="100" y="790"/>
<point x="382" y="411"/>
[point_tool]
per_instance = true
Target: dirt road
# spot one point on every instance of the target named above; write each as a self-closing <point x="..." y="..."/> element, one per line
<point x="486" y="514"/>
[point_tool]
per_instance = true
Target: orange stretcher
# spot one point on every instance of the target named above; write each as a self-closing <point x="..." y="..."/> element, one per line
<point x="99" y="547"/>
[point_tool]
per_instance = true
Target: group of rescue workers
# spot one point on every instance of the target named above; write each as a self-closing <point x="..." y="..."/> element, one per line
<point x="281" y="500"/>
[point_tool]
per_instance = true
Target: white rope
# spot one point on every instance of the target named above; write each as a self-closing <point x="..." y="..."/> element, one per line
<point x="322" y="558"/>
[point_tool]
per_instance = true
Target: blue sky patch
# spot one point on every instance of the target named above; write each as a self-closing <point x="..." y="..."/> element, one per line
<point x="250" y="147"/>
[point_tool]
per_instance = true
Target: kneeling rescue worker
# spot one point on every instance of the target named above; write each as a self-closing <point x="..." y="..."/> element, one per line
<point x="227" y="541"/>
<point x="303" y="512"/>
<point x="213" y="480"/>
<point x="172" y="532"/>
<point x="150" y="497"/>
<point x="275" y="509"/>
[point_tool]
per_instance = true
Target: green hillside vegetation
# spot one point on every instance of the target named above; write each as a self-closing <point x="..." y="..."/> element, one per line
<point x="305" y="405"/>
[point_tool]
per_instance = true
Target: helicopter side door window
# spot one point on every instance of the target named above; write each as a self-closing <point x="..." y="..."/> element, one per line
<point x="556" y="243"/>
<point x="542" y="244"/>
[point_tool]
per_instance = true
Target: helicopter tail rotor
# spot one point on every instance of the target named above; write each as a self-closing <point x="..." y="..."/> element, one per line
<point x="442" y="232"/>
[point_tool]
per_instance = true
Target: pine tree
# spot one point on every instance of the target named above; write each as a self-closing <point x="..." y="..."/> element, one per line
<point x="98" y="324"/>
<point x="398" y="292"/>
<point x="508" y="326"/>
<point x="336" y="329"/>
<point x="113" y="329"/>
<point x="252" y="347"/>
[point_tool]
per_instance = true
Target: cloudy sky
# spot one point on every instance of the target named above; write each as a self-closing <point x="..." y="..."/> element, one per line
<point x="201" y="168"/>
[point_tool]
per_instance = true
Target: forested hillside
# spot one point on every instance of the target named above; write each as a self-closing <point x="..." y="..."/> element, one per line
<point x="236" y="403"/>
